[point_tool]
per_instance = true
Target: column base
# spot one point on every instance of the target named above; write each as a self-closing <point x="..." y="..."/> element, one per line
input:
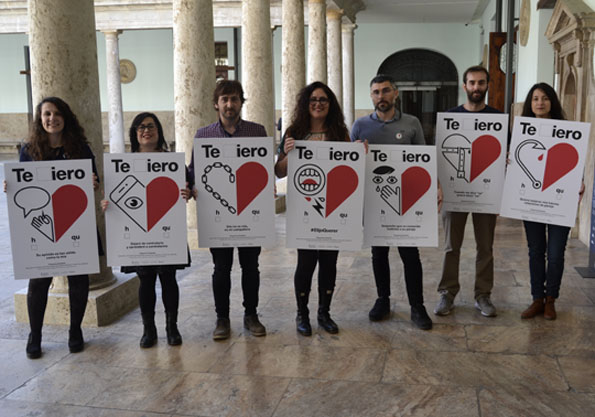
<point x="104" y="305"/>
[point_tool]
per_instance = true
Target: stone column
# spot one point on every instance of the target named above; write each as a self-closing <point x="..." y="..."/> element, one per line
<point x="64" y="64"/>
<point x="194" y="80"/>
<point x="335" y="66"/>
<point x="293" y="65"/>
<point x="257" y="63"/>
<point x="317" y="41"/>
<point x="114" y="92"/>
<point x="348" y="74"/>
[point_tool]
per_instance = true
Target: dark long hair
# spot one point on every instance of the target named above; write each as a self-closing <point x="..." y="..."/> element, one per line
<point x="73" y="135"/>
<point x="134" y="145"/>
<point x="556" y="111"/>
<point x="334" y="123"/>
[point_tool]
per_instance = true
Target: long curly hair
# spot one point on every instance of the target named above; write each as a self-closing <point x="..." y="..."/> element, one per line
<point x="334" y="123"/>
<point x="134" y="145"/>
<point x="556" y="111"/>
<point x="73" y="135"/>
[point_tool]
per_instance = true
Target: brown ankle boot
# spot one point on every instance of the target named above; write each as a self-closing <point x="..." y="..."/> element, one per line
<point x="550" y="309"/>
<point x="535" y="309"/>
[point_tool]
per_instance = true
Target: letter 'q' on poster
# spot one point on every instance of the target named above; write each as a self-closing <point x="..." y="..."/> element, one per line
<point x="236" y="197"/>
<point x="51" y="210"/>
<point x="471" y="151"/>
<point x="543" y="179"/>
<point x="325" y="194"/>
<point x="145" y="220"/>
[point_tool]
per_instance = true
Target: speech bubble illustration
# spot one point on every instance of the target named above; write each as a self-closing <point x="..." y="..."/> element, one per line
<point x="31" y="198"/>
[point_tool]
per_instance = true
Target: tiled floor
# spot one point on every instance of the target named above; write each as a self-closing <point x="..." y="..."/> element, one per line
<point x="468" y="365"/>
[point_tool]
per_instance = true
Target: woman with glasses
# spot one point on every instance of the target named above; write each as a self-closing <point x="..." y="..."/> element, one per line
<point x="56" y="134"/>
<point x="146" y="135"/>
<point x="317" y="116"/>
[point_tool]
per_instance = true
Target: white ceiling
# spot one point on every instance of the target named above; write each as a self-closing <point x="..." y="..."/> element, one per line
<point x="418" y="11"/>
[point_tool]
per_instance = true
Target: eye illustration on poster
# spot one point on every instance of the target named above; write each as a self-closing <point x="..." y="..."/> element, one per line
<point x="325" y="195"/>
<point x="471" y="160"/>
<point x="52" y="218"/>
<point x="545" y="171"/>
<point x="400" y="196"/>
<point x="146" y="216"/>
<point x="235" y="186"/>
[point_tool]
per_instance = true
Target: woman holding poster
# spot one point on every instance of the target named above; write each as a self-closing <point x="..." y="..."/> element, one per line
<point x="542" y="239"/>
<point x="55" y="135"/>
<point x="317" y="116"/>
<point x="146" y="135"/>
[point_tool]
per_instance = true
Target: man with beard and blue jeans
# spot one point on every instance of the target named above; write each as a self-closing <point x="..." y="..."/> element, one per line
<point x="388" y="125"/>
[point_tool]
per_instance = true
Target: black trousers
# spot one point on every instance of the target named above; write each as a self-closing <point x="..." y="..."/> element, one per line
<point x="170" y="293"/>
<point x="412" y="271"/>
<point x="306" y="263"/>
<point x="223" y="261"/>
<point x="37" y="300"/>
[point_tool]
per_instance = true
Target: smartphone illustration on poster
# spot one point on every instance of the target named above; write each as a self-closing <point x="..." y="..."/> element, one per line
<point x="129" y="196"/>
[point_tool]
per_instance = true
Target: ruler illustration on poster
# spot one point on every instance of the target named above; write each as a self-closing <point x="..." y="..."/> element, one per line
<point x="400" y="196"/>
<point x="235" y="184"/>
<point x="325" y="190"/>
<point x="547" y="159"/>
<point x="51" y="210"/>
<point x="471" y="150"/>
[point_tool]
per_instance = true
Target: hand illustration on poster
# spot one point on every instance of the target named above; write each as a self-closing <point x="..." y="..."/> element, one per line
<point x="68" y="203"/>
<point x="560" y="159"/>
<point x="310" y="181"/>
<point x="145" y="206"/>
<point x="415" y="182"/>
<point x="470" y="159"/>
<point x="250" y="179"/>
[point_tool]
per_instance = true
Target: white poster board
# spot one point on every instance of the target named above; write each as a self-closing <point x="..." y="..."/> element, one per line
<point x="51" y="210"/>
<point x="145" y="221"/>
<point x="235" y="184"/>
<point x="401" y="196"/>
<point x="325" y="190"/>
<point x="543" y="179"/>
<point x="471" y="150"/>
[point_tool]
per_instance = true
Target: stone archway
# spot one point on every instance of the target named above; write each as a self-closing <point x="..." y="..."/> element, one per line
<point x="569" y="97"/>
<point x="427" y="81"/>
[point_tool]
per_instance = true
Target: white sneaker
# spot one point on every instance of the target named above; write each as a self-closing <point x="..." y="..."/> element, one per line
<point x="445" y="305"/>
<point x="484" y="304"/>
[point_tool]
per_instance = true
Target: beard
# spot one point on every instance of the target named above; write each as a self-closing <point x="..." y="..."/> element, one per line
<point x="477" y="96"/>
<point x="384" y="106"/>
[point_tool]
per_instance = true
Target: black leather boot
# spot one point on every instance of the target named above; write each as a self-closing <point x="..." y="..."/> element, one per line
<point x="174" y="338"/>
<point x="324" y="306"/>
<point x="150" y="331"/>
<point x="34" y="346"/>
<point x="302" y="320"/>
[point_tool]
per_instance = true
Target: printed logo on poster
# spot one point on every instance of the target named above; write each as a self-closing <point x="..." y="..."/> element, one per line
<point x="545" y="171"/>
<point x="471" y="159"/>
<point x="52" y="218"/>
<point x="400" y="196"/>
<point x="235" y="184"/>
<point x="325" y="195"/>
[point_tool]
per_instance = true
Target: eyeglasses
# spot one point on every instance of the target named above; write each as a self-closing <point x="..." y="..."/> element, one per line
<point x="149" y="127"/>
<point x="322" y="100"/>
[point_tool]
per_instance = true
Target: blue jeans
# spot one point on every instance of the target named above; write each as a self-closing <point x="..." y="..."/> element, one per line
<point x="545" y="281"/>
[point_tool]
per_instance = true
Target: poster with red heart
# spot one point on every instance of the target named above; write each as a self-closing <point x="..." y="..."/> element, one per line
<point x="544" y="176"/>
<point x="325" y="194"/>
<point x="51" y="211"/>
<point x="145" y="221"/>
<point x="401" y="196"/>
<point x="471" y="151"/>
<point x="236" y="198"/>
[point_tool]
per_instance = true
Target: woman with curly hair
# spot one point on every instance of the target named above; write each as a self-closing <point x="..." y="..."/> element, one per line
<point x="317" y="116"/>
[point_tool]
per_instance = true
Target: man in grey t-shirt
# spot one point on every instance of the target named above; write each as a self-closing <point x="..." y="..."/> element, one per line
<point x="388" y="125"/>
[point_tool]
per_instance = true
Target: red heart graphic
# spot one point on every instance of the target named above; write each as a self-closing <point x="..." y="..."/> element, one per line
<point x="484" y="151"/>
<point x="162" y="195"/>
<point x="68" y="203"/>
<point x="251" y="179"/>
<point x="341" y="183"/>
<point x="561" y="159"/>
<point x="415" y="182"/>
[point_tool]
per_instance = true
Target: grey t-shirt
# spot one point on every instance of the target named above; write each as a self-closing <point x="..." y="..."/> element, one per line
<point x="403" y="129"/>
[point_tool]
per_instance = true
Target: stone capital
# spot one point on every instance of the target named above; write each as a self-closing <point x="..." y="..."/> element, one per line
<point x="348" y="27"/>
<point x="112" y="32"/>
<point x="317" y="1"/>
<point x="334" y="14"/>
